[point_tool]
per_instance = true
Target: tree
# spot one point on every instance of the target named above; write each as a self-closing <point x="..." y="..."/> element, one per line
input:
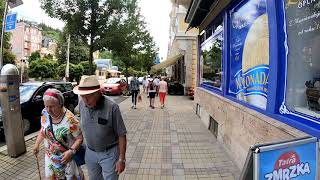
<point x="34" y="56"/>
<point x="79" y="50"/>
<point x="8" y="56"/>
<point x="88" y="19"/>
<point x="50" y="32"/>
<point x="85" y="65"/>
<point x="129" y="38"/>
<point x="75" y="71"/>
<point x="43" y="69"/>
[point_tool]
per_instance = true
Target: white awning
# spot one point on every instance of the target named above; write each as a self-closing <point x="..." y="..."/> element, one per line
<point x="168" y="62"/>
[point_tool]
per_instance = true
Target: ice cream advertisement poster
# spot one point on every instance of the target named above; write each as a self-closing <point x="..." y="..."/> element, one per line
<point x="296" y="163"/>
<point x="249" y="53"/>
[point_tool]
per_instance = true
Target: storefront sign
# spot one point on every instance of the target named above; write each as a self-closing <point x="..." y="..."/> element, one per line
<point x="290" y="160"/>
<point x="249" y="65"/>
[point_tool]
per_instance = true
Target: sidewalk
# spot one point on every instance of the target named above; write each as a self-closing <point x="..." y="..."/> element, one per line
<point x="163" y="144"/>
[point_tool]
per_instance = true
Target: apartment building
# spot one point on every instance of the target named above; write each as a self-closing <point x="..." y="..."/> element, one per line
<point x="25" y="39"/>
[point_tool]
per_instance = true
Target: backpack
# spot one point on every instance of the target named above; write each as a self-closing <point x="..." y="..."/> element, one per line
<point x="151" y="85"/>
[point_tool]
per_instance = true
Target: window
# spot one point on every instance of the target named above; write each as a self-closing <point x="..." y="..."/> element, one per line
<point x="211" y="61"/>
<point x="303" y="60"/>
<point x="249" y="53"/>
<point x="213" y="126"/>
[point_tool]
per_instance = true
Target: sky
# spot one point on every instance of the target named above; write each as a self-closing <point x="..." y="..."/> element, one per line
<point x="156" y="13"/>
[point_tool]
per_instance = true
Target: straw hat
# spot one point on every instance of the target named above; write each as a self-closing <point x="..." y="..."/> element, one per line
<point x="87" y="85"/>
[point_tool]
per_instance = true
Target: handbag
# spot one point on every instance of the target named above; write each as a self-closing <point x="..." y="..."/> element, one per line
<point x="78" y="157"/>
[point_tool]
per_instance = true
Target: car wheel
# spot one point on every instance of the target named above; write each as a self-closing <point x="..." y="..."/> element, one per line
<point x="71" y="108"/>
<point x="26" y="126"/>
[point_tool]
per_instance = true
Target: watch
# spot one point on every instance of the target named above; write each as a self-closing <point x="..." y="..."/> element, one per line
<point x="122" y="160"/>
<point x="73" y="151"/>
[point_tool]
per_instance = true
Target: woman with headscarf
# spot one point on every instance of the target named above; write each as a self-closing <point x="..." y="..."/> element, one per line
<point x="62" y="137"/>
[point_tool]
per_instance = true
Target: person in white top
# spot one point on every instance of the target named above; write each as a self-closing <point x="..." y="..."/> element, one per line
<point x="163" y="89"/>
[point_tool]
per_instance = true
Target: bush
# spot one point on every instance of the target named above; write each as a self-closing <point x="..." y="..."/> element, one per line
<point x="43" y="69"/>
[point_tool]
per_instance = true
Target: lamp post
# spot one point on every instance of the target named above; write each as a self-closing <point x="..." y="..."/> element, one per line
<point x="23" y="61"/>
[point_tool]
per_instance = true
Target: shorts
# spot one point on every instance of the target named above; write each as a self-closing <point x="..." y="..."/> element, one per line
<point x="152" y="94"/>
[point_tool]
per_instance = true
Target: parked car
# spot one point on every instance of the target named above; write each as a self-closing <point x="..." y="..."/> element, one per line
<point x="114" y="86"/>
<point x="31" y="100"/>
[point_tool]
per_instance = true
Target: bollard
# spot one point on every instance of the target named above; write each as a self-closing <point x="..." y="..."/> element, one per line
<point x="11" y="110"/>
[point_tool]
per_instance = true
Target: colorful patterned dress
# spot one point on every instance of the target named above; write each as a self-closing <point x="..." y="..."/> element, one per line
<point x="67" y="131"/>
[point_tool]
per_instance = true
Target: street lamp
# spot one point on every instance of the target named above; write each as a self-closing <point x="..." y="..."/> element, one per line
<point x="11" y="4"/>
<point x="22" y="63"/>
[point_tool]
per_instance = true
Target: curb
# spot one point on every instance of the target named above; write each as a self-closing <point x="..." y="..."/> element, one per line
<point x="26" y="138"/>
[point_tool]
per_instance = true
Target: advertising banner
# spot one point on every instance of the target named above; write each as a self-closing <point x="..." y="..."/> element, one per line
<point x="291" y="160"/>
<point x="249" y="53"/>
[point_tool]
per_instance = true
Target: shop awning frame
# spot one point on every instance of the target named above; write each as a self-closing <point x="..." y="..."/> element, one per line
<point x="167" y="63"/>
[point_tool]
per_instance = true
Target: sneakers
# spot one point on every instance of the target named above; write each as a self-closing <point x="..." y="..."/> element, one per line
<point x="135" y="107"/>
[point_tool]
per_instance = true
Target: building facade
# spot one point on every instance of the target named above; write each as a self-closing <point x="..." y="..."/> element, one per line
<point x="25" y="39"/>
<point x="258" y="77"/>
<point x="182" y="47"/>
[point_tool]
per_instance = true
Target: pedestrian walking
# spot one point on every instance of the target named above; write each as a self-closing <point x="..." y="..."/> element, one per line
<point x="103" y="129"/>
<point x="145" y="84"/>
<point x="152" y="92"/>
<point x="163" y="90"/>
<point x="156" y="82"/>
<point x="134" y="88"/>
<point x="62" y="137"/>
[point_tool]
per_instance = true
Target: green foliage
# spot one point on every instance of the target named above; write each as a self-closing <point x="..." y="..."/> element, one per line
<point x="43" y="69"/>
<point x="85" y="65"/>
<point x="34" y="56"/>
<point x="106" y="55"/>
<point x="75" y="71"/>
<point x="50" y="32"/>
<point x="88" y="20"/>
<point x="49" y="56"/>
<point x="136" y="73"/>
<point x="79" y="50"/>
<point x="130" y="42"/>
<point x="8" y="56"/>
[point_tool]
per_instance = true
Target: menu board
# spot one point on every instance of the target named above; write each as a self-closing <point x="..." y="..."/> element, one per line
<point x="249" y="54"/>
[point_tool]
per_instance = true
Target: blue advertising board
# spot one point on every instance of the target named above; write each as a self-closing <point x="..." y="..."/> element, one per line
<point x="11" y="21"/>
<point x="249" y="56"/>
<point x="296" y="160"/>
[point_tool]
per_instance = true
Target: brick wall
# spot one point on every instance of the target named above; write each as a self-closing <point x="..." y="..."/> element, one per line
<point x="240" y="127"/>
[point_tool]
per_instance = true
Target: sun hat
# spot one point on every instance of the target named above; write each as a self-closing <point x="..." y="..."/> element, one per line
<point x="87" y="85"/>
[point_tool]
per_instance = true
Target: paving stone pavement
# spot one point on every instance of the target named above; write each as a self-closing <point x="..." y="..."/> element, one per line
<point x="163" y="144"/>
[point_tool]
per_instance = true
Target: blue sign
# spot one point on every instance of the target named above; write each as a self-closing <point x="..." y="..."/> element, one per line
<point x="249" y="56"/>
<point x="11" y="21"/>
<point x="298" y="162"/>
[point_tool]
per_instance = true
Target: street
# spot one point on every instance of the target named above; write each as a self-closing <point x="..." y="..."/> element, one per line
<point x="118" y="100"/>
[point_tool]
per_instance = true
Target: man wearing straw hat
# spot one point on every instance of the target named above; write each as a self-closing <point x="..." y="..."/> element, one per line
<point x="103" y="129"/>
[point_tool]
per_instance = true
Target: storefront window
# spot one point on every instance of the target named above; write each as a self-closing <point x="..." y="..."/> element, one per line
<point x="303" y="60"/>
<point x="249" y="53"/>
<point x="211" y="61"/>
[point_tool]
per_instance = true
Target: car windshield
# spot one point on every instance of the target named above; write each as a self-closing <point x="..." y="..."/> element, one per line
<point x="26" y="91"/>
<point x="113" y="81"/>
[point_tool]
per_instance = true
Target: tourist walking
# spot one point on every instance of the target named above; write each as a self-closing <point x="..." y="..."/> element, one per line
<point x="152" y="92"/>
<point x="134" y="88"/>
<point x="163" y="90"/>
<point x="103" y="129"/>
<point x="62" y="137"/>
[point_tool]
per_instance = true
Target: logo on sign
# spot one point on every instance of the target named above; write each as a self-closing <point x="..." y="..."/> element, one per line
<point x="288" y="166"/>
